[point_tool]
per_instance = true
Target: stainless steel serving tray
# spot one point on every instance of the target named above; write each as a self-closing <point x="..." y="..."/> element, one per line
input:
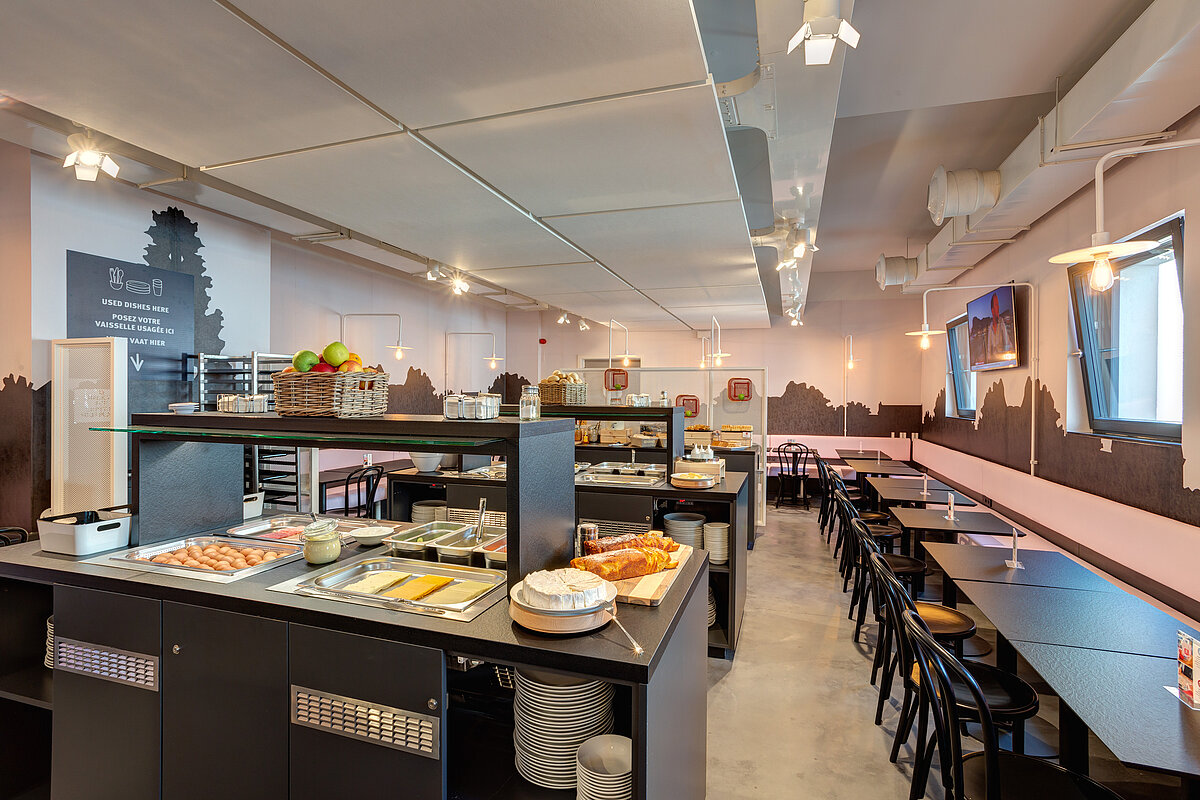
<point x="256" y="529"/>
<point x="128" y="559"/>
<point x="402" y="544"/>
<point x="457" y="548"/>
<point x="603" y="479"/>
<point x="327" y="584"/>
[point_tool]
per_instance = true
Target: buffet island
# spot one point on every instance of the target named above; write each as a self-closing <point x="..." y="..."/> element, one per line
<point x="208" y="636"/>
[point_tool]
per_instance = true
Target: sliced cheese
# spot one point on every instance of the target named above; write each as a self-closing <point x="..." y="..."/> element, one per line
<point x="417" y="587"/>
<point x="563" y="589"/>
<point x="461" y="592"/>
<point x="376" y="581"/>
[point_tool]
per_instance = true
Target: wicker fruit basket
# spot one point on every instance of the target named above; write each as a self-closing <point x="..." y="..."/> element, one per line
<point x="562" y="394"/>
<point x="330" y="394"/>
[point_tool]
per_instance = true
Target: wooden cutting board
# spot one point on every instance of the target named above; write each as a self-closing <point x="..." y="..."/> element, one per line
<point x="649" y="590"/>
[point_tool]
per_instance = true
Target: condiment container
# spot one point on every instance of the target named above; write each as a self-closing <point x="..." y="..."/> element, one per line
<point x="411" y="543"/>
<point x="531" y="403"/>
<point x="452" y="406"/>
<point x="586" y="532"/>
<point x="469" y="404"/>
<point x="456" y="548"/>
<point x="495" y="554"/>
<point x="322" y="541"/>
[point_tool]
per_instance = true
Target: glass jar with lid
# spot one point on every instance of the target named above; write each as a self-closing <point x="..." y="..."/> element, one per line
<point x="322" y="541"/>
<point x="531" y="403"/>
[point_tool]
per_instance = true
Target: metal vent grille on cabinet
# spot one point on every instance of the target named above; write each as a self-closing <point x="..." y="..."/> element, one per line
<point x="491" y="519"/>
<point x="612" y="527"/>
<point x="367" y="722"/>
<point x="106" y="663"/>
<point x="88" y="469"/>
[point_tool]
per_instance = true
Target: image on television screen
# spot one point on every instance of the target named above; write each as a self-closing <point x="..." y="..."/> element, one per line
<point x="993" y="325"/>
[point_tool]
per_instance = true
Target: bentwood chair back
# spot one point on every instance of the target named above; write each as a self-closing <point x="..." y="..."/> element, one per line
<point x="793" y="472"/>
<point x="365" y="482"/>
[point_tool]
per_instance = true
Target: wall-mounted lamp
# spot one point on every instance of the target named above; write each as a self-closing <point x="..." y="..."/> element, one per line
<point x="398" y="348"/>
<point x="703" y="352"/>
<point x="625" y="359"/>
<point x="87" y="159"/>
<point x="1103" y="249"/>
<point x="493" y="359"/>
<point x="714" y="333"/>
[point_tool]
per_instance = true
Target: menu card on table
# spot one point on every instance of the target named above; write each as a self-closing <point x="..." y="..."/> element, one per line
<point x="1188" y="647"/>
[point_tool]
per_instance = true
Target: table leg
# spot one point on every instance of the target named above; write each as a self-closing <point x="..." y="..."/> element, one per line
<point x="1072" y="740"/>
<point x="1006" y="654"/>
<point x="949" y="592"/>
<point x="1190" y="788"/>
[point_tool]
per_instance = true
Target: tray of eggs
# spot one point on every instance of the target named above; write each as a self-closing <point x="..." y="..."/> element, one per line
<point x="210" y="557"/>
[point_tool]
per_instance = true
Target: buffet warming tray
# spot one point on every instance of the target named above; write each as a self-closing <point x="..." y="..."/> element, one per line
<point x="135" y="558"/>
<point x="267" y="528"/>
<point x="605" y="479"/>
<point x="328" y="584"/>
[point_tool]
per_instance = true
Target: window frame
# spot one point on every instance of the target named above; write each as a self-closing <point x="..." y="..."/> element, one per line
<point x="968" y="373"/>
<point x="1077" y="283"/>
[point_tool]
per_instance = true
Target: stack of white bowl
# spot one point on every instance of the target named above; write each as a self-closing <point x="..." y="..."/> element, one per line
<point x="716" y="541"/>
<point x="49" y="659"/>
<point x="685" y="528"/>
<point x="553" y="715"/>
<point x="604" y="768"/>
<point x="712" y="608"/>
<point x="428" y="511"/>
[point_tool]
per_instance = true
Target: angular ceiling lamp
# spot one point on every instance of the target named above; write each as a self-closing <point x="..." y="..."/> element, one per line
<point x="434" y="272"/>
<point x="821" y="33"/>
<point x="563" y="319"/>
<point x="87" y="158"/>
<point x="583" y="326"/>
<point x="801" y="242"/>
<point x="1104" y="249"/>
<point x="459" y="286"/>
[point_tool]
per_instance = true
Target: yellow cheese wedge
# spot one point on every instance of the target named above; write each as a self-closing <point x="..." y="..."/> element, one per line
<point x="461" y="592"/>
<point x="417" y="588"/>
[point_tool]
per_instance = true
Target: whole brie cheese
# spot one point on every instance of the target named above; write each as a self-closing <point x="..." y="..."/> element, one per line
<point x="564" y="589"/>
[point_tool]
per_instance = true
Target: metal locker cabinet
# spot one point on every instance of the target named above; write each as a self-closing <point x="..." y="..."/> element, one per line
<point x="224" y="681"/>
<point x="106" y="696"/>
<point x="366" y="713"/>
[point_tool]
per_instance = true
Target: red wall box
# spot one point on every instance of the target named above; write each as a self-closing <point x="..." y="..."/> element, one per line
<point x="690" y="403"/>
<point x="615" y="380"/>
<point x="740" y="389"/>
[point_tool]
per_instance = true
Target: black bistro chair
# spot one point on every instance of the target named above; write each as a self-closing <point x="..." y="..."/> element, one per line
<point x="793" y="472"/>
<point x="361" y="501"/>
<point x="955" y="695"/>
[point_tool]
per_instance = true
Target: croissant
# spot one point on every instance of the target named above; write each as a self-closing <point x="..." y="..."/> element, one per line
<point x="631" y="562"/>
<point x="652" y="541"/>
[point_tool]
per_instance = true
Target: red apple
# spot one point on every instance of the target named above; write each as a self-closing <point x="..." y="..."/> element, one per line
<point x="321" y="366"/>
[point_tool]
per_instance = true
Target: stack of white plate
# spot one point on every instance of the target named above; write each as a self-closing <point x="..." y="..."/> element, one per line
<point x="604" y="768"/>
<point x="712" y="608"/>
<point x="685" y="528"/>
<point x="716" y="541"/>
<point x="49" y="659"/>
<point x="428" y="511"/>
<point x="554" y="715"/>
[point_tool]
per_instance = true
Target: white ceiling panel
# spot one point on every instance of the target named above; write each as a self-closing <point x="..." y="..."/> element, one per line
<point x="603" y="305"/>
<point x="233" y="205"/>
<point x="670" y="247"/>
<point x="665" y="148"/>
<point x="555" y="279"/>
<point x="434" y="61"/>
<point x="396" y="190"/>
<point x="728" y="316"/>
<point x="376" y="254"/>
<point x="708" y="295"/>
<point x="184" y="79"/>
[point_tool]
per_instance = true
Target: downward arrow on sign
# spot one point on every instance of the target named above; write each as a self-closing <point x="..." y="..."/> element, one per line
<point x="136" y="358"/>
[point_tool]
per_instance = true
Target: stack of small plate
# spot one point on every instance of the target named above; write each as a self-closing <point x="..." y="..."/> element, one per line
<point x="553" y="715"/>
<point x="604" y="768"/>
<point x="712" y="607"/>
<point x="428" y="511"/>
<point x="685" y="528"/>
<point x="716" y="541"/>
<point x="49" y="659"/>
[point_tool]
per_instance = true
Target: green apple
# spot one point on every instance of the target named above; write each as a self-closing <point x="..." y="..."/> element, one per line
<point x="335" y="353"/>
<point x="305" y="360"/>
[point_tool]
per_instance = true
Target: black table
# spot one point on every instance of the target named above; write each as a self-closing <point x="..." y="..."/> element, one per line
<point x="337" y="476"/>
<point x="869" y="466"/>
<point x="1097" y="621"/>
<point x="878" y="482"/>
<point x="918" y="521"/>
<point x="1120" y="697"/>
<point x="965" y="562"/>
<point x="889" y="494"/>
<point x="852" y="453"/>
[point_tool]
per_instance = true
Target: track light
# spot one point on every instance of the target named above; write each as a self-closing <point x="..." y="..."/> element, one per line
<point x="459" y="286"/>
<point x="795" y="322"/>
<point x="821" y="35"/>
<point x="87" y="159"/>
<point x="434" y="272"/>
<point x="583" y="326"/>
<point x="563" y="319"/>
<point x="787" y="263"/>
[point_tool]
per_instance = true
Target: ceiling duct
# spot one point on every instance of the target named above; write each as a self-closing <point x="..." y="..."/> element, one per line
<point x="894" y="270"/>
<point x="961" y="192"/>
<point x="752" y="170"/>
<point x="729" y="34"/>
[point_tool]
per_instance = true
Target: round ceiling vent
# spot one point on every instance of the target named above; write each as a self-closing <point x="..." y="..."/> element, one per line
<point x="961" y="192"/>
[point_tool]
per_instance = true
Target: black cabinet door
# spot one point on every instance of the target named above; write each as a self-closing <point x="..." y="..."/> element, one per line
<point x="106" y="696"/>
<point x="366" y="713"/>
<point x="224" y="705"/>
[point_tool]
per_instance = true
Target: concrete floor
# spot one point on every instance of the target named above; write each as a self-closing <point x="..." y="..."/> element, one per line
<point x="792" y="715"/>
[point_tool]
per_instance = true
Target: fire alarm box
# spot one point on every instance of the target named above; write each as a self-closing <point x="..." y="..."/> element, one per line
<point x="690" y="404"/>
<point x="740" y="389"/>
<point x="616" y="380"/>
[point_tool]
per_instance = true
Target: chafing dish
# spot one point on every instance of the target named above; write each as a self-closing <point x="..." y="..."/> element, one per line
<point x="607" y="466"/>
<point x="412" y="542"/>
<point x="329" y="584"/>
<point x="603" y="479"/>
<point x="265" y="528"/>
<point x="137" y="558"/>
<point x="456" y="548"/>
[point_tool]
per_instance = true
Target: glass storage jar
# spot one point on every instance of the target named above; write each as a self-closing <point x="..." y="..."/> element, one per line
<point x="531" y="403"/>
<point x="452" y="406"/>
<point x="322" y="541"/>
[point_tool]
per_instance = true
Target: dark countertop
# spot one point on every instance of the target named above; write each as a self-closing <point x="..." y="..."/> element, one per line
<point x="964" y="562"/>
<point x="492" y="636"/>
<point x="382" y="425"/>
<point x="727" y="489"/>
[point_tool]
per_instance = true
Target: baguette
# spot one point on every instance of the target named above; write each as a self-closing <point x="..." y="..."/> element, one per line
<point x="645" y="540"/>
<point x="630" y="562"/>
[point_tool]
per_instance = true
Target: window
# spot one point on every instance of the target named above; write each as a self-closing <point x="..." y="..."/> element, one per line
<point x="957" y="338"/>
<point x="1131" y="340"/>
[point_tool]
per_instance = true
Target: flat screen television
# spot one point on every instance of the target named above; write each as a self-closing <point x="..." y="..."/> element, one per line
<point x="992" y="322"/>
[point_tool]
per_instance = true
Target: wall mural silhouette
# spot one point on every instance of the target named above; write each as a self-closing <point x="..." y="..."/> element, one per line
<point x="804" y="409"/>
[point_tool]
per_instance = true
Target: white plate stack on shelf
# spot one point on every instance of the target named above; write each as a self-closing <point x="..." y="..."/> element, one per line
<point x="712" y="608"/>
<point x="428" y="511"/>
<point x="49" y="659"/>
<point x="685" y="528"/>
<point x="604" y="768"/>
<point x="716" y="541"/>
<point x="553" y="716"/>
